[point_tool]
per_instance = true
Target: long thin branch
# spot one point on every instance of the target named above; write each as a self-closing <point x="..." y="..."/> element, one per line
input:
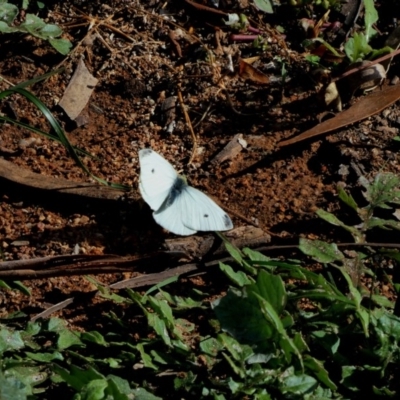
<point x="88" y="264"/>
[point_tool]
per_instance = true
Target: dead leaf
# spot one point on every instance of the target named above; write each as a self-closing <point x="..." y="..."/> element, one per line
<point x="247" y="71"/>
<point x="364" y="108"/>
<point x="22" y="176"/>
<point x="332" y="97"/>
<point x="366" y="78"/>
<point x="78" y="91"/>
<point x="251" y="60"/>
<point x="231" y="150"/>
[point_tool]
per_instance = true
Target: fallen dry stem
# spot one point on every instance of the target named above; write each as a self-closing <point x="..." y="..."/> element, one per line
<point x="189" y="124"/>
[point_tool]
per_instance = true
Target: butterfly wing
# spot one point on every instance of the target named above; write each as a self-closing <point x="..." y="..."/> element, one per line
<point x="203" y="214"/>
<point x="188" y="210"/>
<point x="157" y="177"/>
<point x="170" y="214"/>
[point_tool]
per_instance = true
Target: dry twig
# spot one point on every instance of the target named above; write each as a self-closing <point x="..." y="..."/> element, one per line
<point x="189" y="124"/>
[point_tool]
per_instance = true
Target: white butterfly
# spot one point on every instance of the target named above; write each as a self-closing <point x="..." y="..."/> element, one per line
<point x="177" y="207"/>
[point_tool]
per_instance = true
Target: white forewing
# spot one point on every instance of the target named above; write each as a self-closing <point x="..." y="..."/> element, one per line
<point x="157" y="177"/>
<point x="192" y="211"/>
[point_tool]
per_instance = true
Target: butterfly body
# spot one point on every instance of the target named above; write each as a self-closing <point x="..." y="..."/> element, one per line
<point x="177" y="206"/>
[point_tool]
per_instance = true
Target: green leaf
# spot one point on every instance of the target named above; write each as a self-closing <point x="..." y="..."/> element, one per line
<point x="328" y="340"/>
<point x="181" y="303"/>
<point x="159" y="326"/>
<point x="315" y="60"/>
<point x="325" y="44"/>
<point x="66" y="338"/>
<point x="332" y="219"/>
<point x="384" y="392"/>
<point x="347" y="198"/>
<point x="390" y="325"/>
<point x="143" y="394"/>
<point x="287" y="344"/>
<point x="94" y="337"/>
<point x="382" y="301"/>
<point x="11" y="388"/>
<point x="8" y="12"/>
<point x="239" y="278"/>
<point x="159" y="285"/>
<point x="95" y="390"/>
<point x="271" y="288"/>
<point x="7" y="29"/>
<point x="236" y="254"/>
<point x="118" y="386"/>
<point x="242" y="318"/>
<point x="77" y="377"/>
<point x="382" y="191"/>
<point x="370" y="18"/>
<point x="376" y="53"/>
<point x="255" y="255"/>
<point x="4" y="285"/>
<point x="347" y="377"/>
<point x="321" y="251"/>
<point x="211" y="346"/>
<point x="45" y="357"/>
<point x="357" y="47"/>
<point x="33" y="25"/>
<point x="10" y="340"/>
<point x="264" y="5"/>
<point x="238" y="351"/>
<point x="63" y="46"/>
<point x="22" y="288"/>
<point x="37" y="79"/>
<point x="382" y="223"/>
<point x="162" y="308"/>
<point x="319" y="371"/>
<point x="51" y="31"/>
<point x="146" y="359"/>
<point x="30" y="376"/>
<point x="299" y="384"/>
<point x="361" y="312"/>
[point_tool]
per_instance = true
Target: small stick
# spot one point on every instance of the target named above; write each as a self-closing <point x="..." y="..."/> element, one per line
<point x="6" y="81"/>
<point x="189" y="123"/>
<point x="242" y="37"/>
<point x="202" y="7"/>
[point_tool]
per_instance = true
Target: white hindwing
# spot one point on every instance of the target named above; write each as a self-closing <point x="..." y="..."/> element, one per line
<point x="192" y="211"/>
<point x="157" y="176"/>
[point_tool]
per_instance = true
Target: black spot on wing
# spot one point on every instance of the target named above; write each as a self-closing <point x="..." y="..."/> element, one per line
<point x="205" y="215"/>
<point x="227" y="221"/>
<point x="145" y="152"/>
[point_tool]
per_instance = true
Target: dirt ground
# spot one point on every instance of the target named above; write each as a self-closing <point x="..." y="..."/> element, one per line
<point x="153" y="52"/>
